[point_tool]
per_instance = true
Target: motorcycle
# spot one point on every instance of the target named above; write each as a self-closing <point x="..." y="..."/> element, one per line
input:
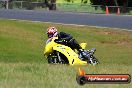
<point x="56" y="52"/>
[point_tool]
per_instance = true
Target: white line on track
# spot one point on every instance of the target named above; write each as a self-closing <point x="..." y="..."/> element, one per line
<point x="72" y="24"/>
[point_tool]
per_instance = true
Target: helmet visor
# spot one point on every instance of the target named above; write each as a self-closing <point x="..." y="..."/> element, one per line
<point x="50" y="35"/>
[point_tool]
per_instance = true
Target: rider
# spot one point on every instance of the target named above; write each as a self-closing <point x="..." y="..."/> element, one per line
<point x="65" y="38"/>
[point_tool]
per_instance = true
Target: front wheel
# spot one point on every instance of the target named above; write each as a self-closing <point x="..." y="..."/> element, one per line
<point x="57" y="57"/>
<point x="52" y="59"/>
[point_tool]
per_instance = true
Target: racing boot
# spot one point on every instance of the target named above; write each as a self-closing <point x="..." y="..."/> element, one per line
<point x="87" y="55"/>
<point x="84" y="55"/>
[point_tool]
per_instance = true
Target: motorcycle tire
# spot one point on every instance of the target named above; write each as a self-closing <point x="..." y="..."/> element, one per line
<point x="52" y="59"/>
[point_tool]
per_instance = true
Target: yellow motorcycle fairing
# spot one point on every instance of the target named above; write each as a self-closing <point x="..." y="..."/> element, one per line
<point x="65" y="50"/>
<point x="49" y="47"/>
<point x="70" y="54"/>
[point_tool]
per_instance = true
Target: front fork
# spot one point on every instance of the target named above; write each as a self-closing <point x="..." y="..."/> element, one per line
<point x="59" y="58"/>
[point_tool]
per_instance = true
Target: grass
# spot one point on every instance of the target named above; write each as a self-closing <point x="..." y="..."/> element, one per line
<point x="72" y="1"/>
<point x="22" y="64"/>
<point x="78" y="7"/>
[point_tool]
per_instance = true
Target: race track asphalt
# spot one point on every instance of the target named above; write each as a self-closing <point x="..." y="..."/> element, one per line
<point x="112" y="21"/>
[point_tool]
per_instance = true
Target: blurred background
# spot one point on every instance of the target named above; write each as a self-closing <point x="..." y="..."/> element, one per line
<point x="87" y="6"/>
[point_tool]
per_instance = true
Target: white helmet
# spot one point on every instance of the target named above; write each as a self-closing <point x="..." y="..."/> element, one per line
<point x="52" y="31"/>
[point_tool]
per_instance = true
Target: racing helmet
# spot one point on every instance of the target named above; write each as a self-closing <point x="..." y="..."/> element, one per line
<point x="52" y="31"/>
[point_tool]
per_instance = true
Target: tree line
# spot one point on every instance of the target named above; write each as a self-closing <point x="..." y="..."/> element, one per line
<point x="51" y="4"/>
